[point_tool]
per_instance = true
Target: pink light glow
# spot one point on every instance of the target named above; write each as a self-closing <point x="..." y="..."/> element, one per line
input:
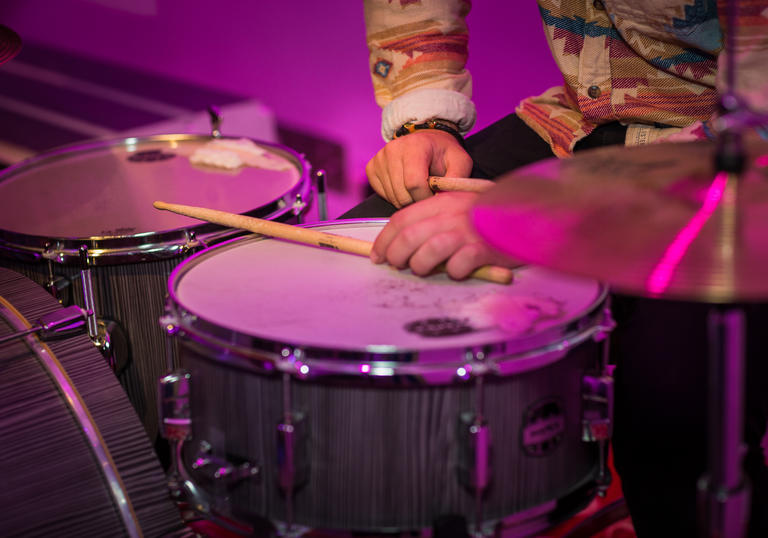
<point x="762" y="161"/>
<point x="661" y="276"/>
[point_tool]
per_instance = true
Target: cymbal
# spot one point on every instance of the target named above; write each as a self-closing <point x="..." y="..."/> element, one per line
<point x="654" y="221"/>
<point x="10" y="44"/>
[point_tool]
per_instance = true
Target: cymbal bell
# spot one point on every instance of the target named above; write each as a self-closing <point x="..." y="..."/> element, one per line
<point x="654" y="221"/>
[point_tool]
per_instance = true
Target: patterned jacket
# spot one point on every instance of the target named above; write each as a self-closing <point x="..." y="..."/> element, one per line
<point x="654" y="65"/>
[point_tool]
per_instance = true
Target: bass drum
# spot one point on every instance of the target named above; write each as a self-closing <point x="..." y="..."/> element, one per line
<point x="76" y="460"/>
<point x="99" y="195"/>
<point x="331" y="393"/>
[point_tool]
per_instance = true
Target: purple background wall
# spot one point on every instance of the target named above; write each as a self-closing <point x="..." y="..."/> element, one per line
<point x="306" y="60"/>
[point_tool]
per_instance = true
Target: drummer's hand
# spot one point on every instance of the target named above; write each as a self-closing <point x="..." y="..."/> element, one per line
<point x="432" y="231"/>
<point x="400" y="171"/>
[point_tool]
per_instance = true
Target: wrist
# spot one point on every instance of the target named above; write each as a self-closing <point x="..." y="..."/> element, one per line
<point x="437" y="124"/>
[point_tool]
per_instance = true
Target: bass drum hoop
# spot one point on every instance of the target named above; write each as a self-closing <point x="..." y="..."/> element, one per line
<point x="113" y="250"/>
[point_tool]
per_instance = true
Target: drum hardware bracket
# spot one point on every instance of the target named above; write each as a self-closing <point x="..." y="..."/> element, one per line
<point x="298" y="207"/>
<point x="214" y="114"/>
<point x="58" y="324"/>
<point x="221" y="470"/>
<point x="191" y="243"/>
<point x="290" y="362"/>
<point x="174" y="407"/>
<point x="322" y="203"/>
<point x="597" y="422"/>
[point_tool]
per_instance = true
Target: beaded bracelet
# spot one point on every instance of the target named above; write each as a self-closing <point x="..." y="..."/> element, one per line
<point x="411" y="127"/>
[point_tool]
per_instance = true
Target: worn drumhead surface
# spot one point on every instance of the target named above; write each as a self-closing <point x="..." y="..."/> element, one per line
<point x="107" y="189"/>
<point x="308" y="296"/>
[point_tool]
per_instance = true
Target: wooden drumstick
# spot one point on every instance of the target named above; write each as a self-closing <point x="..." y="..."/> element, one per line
<point x="308" y="236"/>
<point x="459" y="184"/>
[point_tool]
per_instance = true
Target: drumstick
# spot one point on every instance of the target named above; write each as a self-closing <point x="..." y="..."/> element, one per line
<point x="463" y="184"/>
<point x="492" y="273"/>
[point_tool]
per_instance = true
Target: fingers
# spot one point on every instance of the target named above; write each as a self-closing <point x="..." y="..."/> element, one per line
<point x="399" y="172"/>
<point x="446" y="205"/>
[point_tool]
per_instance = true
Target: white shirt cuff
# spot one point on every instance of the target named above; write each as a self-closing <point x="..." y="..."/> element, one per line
<point x="426" y="104"/>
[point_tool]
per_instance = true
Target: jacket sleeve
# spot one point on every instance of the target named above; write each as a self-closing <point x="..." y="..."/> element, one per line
<point x="417" y="60"/>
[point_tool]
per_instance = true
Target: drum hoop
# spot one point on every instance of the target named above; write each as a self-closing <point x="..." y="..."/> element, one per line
<point x="82" y="416"/>
<point x="145" y="246"/>
<point x="252" y="352"/>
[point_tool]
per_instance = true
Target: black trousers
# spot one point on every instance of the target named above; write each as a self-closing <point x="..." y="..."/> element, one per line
<point x="660" y="351"/>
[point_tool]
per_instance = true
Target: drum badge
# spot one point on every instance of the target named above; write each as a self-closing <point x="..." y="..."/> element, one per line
<point x="543" y="427"/>
<point x="435" y="327"/>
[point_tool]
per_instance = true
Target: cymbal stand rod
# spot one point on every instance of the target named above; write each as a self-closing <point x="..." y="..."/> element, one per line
<point x="724" y="492"/>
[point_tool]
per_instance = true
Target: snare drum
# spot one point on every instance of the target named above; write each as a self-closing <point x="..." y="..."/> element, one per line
<point x="76" y="460"/>
<point x="339" y="394"/>
<point x="100" y="195"/>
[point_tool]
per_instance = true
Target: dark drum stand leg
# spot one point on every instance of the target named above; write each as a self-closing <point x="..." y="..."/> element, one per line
<point x="724" y="492"/>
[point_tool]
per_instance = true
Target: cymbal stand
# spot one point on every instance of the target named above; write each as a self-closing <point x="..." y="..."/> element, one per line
<point x="724" y="491"/>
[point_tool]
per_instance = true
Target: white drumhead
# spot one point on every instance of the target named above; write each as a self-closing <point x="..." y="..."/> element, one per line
<point x="107" y="189"/>
<point x="308" y="296"/>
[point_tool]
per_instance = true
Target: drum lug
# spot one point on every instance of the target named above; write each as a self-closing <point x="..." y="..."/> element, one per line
<point x="597" y="414"/>
<point x="173" y="406"/>
<point x="605" y="327"/>
<point x="293" y="451"/>
<point x="192" y="242"/>
<point x="597" y="422"/>
<point x="291" y="362"/>
<point x="222" y="471"/>
<point x="298" y="207"/>
<point x="474" y="452"/>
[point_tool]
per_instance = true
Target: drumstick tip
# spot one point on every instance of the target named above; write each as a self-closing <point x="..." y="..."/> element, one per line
<point x="159" y="205"/>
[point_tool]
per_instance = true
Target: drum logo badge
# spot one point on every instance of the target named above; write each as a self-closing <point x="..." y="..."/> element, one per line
<point x="436" y="327"/>
<point x="543" y="427"/>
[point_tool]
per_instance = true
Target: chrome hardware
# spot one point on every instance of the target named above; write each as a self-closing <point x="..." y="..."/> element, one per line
<point x="597" y="422"/>
<point x="322" y="205"/>
<point x="214" y="113"/>
<point x="220" y="470"/>
<point x="291" y="361"/>
<point x="88" y="299"/>
<point x="192" y="242"/>
<point x="112" y="342"/>
<point x="298" y="207"/>
<point x="292" y="446"/>
<point x="173" y="406"/>
<point x="474" y="452"/>
<point x="597" y="414"/>
<point x="293" y="451"/>
<point x="474" y="440"/>
<point x="58" y="324"/>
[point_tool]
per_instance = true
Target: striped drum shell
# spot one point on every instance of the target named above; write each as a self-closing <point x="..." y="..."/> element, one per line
<point x="76" y="460"/>
<point x="99" y="194"/>
<point x="380" y="373"/>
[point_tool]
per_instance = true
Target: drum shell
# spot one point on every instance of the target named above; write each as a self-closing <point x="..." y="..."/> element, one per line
<point x="53" y="484"/>
<point x="381" y="430"/>
<point x="129" y="273"/>
<point x="384" y="457"/>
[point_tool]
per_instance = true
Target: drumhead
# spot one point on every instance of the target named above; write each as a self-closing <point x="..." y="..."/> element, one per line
<point x="105" y="190"/>
<point x="332" y="304"/>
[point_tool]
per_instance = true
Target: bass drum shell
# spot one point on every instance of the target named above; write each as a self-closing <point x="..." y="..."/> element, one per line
<point x="53" y="480"/>
<point x="382" y="453"/>
<point x="100" y="195"/>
